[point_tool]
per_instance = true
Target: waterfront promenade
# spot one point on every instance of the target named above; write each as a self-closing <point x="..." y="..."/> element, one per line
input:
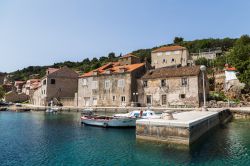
<point x="245" y="110"/>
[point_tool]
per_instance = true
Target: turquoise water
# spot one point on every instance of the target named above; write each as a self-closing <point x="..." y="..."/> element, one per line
<point x="36" y="138"/>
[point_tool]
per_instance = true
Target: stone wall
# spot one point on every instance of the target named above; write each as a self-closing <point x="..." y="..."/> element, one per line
<point x="67" y="101"/>
<point x="175" y="134"/>
<point x="15" y="97"/>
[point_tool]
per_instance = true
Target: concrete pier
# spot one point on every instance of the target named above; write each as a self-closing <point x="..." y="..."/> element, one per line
<point x="185" y="128"/>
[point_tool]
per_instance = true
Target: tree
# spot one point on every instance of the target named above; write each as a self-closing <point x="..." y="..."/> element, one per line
<point x="239" y="57"/>
<point x="201" y="61"/>
<point x="178" y="40"/>
<point x="2" y="93"/>
<point x="111" y="56"/>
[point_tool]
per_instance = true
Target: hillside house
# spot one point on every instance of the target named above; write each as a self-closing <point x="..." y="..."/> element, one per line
<point x="59" y="85"/>
<point x="169" y="56"/>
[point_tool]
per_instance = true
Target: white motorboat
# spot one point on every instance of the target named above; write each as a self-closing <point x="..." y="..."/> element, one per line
<point x="52" y="110"/>
<point x="105" y="121"/>
<point x="148" y="114"/>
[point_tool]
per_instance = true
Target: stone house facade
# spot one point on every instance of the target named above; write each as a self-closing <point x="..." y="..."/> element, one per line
<point x="30" y="85"/>
<point x="110" y="85"/>
<point x="168" y="87"/>
<point x="55" y="86"/>
<point x="19" y="86"/>
<point x="169" y="56"/>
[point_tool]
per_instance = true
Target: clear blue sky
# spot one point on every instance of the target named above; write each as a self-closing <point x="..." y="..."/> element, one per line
<point x="41" y="32"/>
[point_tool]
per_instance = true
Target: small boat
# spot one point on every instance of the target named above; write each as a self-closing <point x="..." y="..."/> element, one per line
<point x="18" y="105"/>
<point x="52" y="110"/>
<point x="148" y="114"/>
<point x="105" y="121"/>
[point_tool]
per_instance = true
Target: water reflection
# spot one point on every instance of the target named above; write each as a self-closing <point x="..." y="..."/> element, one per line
<point x="38" y="138"/>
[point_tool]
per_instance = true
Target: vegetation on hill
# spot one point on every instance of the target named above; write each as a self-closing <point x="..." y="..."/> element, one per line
<point x="1" y="92"/>
<point x="232" y="46"/>
<point x="237" y="56"/>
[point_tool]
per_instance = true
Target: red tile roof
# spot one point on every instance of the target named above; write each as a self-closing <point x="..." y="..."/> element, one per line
<point x="169" y="48"/>
<point x="114" y="67"/>
<point x="231" y="69"/>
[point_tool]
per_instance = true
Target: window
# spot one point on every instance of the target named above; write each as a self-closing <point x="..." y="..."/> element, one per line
<point x="164" y="99"/>
<point x="107" y="84"/>
<point x="183" y="81"/>
<point x="44" y="82"/>
<point x="114" y="98"/>
<point x="94" y="101"/>
<point x="121" y="83"/>
<point x="172" y="60"/>
<point x="182" y="96"/>
<point x="52" y="81"/>
<point x="123" y="99"/>
<point x="145" y="83"/>
<point x="163" y="83"/>
<point x="176" y="52"/>
<point x="164" y="61"/>
<point x="94" y="85"/>
<point x="84" y="82"/>
<point x="168" y="53"/>
<point x="149" y="99"/>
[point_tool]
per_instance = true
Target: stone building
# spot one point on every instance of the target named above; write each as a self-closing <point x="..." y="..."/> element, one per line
<point x="169" y="56"/>
<point x="30" y="86"/>
<point x="58" y="85"/>
<point x="114" y="84"/>
<point x="172" y="87"/>
<point x="19" y="86"/>
<point x="209" y="54"/>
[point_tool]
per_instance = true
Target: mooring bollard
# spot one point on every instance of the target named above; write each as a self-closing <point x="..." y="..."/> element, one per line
<point x="167" y="115"/>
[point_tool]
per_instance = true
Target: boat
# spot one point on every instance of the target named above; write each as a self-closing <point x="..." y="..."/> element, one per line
<point x="148" y="114"/>
<point x="105" y="121"/>
<point x="52" y="110"/>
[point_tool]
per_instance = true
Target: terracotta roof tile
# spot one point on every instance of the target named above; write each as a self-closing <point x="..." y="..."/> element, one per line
<point x="114" y="67"/>
<point x="172" y="72"/>
<point x="169" y="48"/>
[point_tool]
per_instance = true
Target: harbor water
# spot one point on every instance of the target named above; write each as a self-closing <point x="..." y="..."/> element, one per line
<point x="37" y="138"/>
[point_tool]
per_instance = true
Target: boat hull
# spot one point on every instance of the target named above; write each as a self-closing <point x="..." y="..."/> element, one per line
<point x="116" y="122"/>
